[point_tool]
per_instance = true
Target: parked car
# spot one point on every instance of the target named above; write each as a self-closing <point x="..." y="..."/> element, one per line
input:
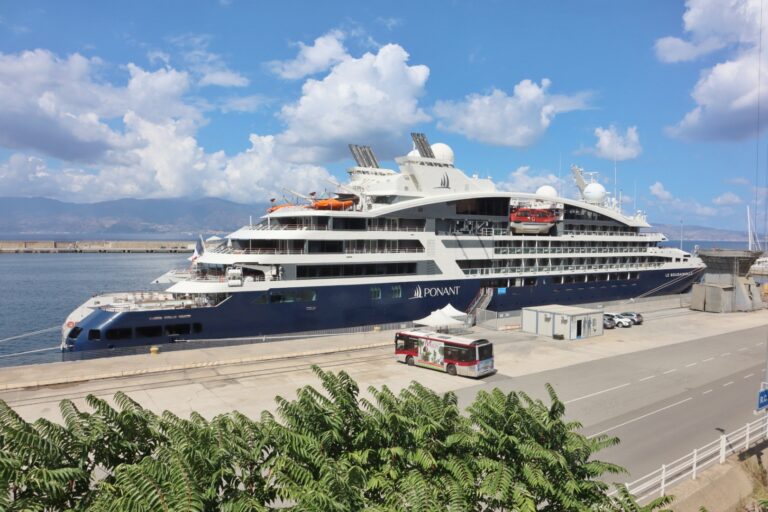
<point x="621" y="321"/>
<point x="608" y="322"/>
<point x="636" y="318"/>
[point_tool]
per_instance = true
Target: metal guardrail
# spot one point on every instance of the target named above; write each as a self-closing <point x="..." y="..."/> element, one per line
<point x="689" y="466"/>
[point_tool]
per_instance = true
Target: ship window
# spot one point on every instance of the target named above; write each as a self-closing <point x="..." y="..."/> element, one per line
<point x="75" y="332"/>
<point x="375" y="293"/>
<point x="197" y="328"/>
<point x="149" y="331"/>
<point x="177" y="329"/>
<point x="122" y="333"/>
<point x="397" y="291"/>
<point x="94" y="335"/>
<point x="286" y="296"/>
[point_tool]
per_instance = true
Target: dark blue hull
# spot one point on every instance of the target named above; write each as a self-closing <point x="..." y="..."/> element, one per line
<point x="256" y="314"/>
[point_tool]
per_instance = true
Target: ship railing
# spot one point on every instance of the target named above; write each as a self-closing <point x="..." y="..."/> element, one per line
<point x="557" y="268"/>
<point x="138" y="301"/>
<point x="221" y="278"/>
<point x="229" y="250"/>
<point x="305" y="227"/>
<point x="568" y="250"/>
<point x="572" y="232"/>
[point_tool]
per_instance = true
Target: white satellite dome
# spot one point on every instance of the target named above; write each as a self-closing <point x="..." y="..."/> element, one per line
<point x="547" y="191"/>
<point x="442" y="151"/>
<point x="594" y="193"/>
<point x="414" y="152"/>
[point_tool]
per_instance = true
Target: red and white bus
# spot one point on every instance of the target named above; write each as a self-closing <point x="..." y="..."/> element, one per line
<point x="470" y="357"/>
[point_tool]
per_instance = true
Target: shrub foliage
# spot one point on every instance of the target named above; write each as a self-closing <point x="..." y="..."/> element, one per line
<point x="326" y="450"/>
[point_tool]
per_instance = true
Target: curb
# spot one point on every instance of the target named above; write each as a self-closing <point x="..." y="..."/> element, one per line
<point x="181" y="367"/>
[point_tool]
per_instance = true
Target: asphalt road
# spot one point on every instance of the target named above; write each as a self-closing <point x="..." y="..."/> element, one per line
<point x="661" y="403"/>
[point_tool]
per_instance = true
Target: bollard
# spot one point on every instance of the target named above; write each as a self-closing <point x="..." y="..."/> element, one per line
<point x="154" y="350"/>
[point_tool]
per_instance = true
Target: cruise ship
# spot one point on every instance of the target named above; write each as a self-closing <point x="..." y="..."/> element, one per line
<point x="392" y="246"/>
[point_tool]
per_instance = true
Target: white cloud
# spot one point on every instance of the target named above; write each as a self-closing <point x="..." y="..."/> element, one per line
<point x="390" y="23"/>
<point x="521" y="180"/>
<point x="326" y="51"/>
<point x="738" y="180"/>
<point x="612" y="145"/>
<point x="208" y="67"/>
<point x="250" y="103"/>
<point x="56" y="106"/>
<point x="726" y="95"/>
<point x="727" y="198"/>
<point x="668" y="202"/>
<point x="658" y="190"/>
<point x="497" y="118"/>
<point x="370" y="98"/>
<point x="131" y="140"/>
<point x="158" y="57"/>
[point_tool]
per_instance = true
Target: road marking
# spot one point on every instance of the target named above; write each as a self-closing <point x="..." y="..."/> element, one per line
<point x="689" y="365"/>
<point x="725" y="354"/>
<point x="597" y="393"/>
<point x="749" y="375"/>
<point x="707" y="391"/>
<point x="708" y="359"/>
<point x="728" y="383"/>
<point x="742" y="349"/>
<point x="670" y="371"/>
<point x="647" y="378"/>
<point x="641" y="417"/>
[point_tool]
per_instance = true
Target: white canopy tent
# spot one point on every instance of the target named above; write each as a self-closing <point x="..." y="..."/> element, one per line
<point x="438" y="319"/>
<point x="453" y="312"/>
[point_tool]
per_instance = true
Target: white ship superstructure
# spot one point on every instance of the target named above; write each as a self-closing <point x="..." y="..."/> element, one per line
<point x="393" y="245"/>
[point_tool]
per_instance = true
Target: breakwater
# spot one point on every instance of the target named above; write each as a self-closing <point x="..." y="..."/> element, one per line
<point x="95" y="246"/>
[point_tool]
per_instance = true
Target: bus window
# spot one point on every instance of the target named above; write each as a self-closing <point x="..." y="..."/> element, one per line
<point x="485" y="352"/>
<point x="404" y="342"/>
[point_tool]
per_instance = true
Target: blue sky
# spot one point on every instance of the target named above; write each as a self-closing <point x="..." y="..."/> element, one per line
<point x="239" y="99"/>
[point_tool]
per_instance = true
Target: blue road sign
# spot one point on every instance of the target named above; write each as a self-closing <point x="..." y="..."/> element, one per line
<point x="762" y="399"/>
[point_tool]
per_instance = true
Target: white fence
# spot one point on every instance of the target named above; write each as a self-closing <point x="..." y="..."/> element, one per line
<point x="689" y="466"/>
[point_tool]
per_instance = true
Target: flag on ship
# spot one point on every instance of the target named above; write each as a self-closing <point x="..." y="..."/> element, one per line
<point x="199" y="249"/>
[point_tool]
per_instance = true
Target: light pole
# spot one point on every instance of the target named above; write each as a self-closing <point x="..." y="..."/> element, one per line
<point x="681" y="234"/>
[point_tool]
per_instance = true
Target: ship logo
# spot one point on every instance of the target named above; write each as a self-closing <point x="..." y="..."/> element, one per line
<point x="445" y="182"/>
<point x="435" y="291"/>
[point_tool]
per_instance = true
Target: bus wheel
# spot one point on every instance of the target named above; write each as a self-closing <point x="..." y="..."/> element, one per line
<point x="409" y="360"/>
<point x="451" y="369"/>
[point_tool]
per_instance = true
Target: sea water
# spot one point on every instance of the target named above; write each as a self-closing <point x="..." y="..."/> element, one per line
<point x="38" y="291"/>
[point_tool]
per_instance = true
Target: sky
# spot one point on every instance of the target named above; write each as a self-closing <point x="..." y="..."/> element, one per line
<point x="246" y="99"/>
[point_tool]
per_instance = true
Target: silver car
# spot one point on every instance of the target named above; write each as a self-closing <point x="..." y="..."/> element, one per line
<point x="621" y="321"/>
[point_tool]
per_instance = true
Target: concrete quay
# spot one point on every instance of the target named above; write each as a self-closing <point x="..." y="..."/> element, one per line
<point x="664" y="388"/>
<point x="95" y="246"/>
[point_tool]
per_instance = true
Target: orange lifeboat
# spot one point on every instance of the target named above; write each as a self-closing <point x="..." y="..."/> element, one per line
<point x="278" y="206"/>
<point x="332" y="204"/>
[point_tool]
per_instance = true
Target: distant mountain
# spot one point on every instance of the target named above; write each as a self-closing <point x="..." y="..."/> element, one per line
<point x="153" y="217"/>
<point x="21" y="215"/>
<point x="702" y="233"/>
